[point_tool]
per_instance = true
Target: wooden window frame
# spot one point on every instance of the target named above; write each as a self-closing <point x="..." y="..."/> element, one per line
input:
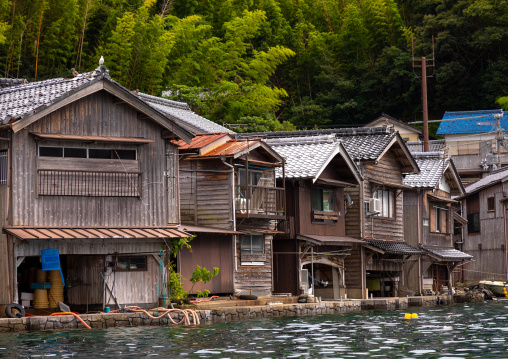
<point x="4" y="161"/>
<point x="491" y="204"/>
<point x="391" y="192"/>
<point x="129" y="259"/>
<point x="439" y="218"/>
<point x="320" y="215"/>
<point x="473" y="211"/>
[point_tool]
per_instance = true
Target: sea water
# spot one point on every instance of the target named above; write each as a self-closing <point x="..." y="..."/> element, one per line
<point x="446" y="332"/>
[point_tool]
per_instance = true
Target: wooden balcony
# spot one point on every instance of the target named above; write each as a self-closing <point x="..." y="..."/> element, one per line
<point x="260" y="202"/>
<point x="88" y="183"/>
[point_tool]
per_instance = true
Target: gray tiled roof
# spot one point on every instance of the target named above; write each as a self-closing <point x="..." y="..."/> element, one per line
<point x="395" y="247"/>
<point x="446" y="253"/>
<point x="434" y="145"/>
<point x="305" y="156"/>
<point x="21" y="100"/>
<point x="181" y="111"/>
<point x="362" y="143"/>
<point x="496" y="176"/>
<point x="432" y="167"/>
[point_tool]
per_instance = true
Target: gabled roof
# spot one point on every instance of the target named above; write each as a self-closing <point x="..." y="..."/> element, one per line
<point x="23" y="104"/>
<point x="182" y="112"/>
<point x="433" y="166"/>
<point x="394" y="247"/>
<point x="447" y="254"/>
<point x="385" y="119"/>
<point x="434" y="145"/>
<point x="454" y="123"/>
<point x="307" y="157"/>
<point x="497" y="176"/>
<point x="221" y="144"/>
<point x="362" y="143"/>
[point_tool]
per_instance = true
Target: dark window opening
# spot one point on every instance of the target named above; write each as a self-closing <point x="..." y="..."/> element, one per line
<point x="473" y="224"/>
<point x="131" y="263"/>
<point x="74" y="152"/>
<point x="322" y="200"/>
<point x="51" y="151"/>
<point x="491" y="204"/>
<point x="99" y="153"/>
<point x="3" y="166"/>
<point x="124" y="154"/>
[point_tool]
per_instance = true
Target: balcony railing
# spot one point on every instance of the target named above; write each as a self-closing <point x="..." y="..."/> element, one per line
<point x="88" y="183"/>
<point x="260" y="202"/>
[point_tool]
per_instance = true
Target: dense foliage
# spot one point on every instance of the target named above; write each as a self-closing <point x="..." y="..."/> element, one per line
<point x="271" y="64"/>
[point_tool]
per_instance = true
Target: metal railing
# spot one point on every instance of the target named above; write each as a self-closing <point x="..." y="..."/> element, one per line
<point x="88" y="183"/>
<point x="259" y="201"/>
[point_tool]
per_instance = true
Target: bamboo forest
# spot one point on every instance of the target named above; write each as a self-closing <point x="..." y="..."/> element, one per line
<point x="266" y="65"/>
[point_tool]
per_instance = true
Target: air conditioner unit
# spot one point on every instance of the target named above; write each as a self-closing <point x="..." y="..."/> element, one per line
<point x="374" y="205"/>
<point x="304" y="276"/>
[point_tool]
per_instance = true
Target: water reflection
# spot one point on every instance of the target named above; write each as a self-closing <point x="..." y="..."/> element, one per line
<point x="465" y="331"/>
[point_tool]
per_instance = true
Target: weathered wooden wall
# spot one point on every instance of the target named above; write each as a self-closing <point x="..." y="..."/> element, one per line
<point x="353" y="269"/>
<point x="387" y="170"/>
<point x="307" y="226"/>
<point x="488" y="246"/>
<point x="354" y="213"/>
<point x="96" y="115"/>
<point x="257" y="278"/>
<point x="206" y="193"/>
<point x="209" y="251"/>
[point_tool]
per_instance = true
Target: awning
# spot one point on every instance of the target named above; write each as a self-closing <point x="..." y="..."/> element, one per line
<point x="329" y="240"/>
<point x="457" y="217"/>
<point x="260" y="230"/>
<point x="56" y="136"/>
<point x="395" y="247"/>
<point x="95" y="232"/>
<point x="390" y="184"/>
<point x="441" y="199"/>
<point x="447" y="254"/>
<point x="197" y="229"/>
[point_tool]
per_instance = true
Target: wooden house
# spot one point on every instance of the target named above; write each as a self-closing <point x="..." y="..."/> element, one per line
<point x="407" y="132"/>
<point x="88" y="169"/>
<point x="310" y="257"/>
<point x="430" y="223"/>
<point x="230" y="200"/>
<point x="473" y="143"/>
<point x="485" y="206"/>
<point x="376" y="214"/>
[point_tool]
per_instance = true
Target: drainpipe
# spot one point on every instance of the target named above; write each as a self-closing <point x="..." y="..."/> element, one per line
<point x="6" y="222"/>
<point x="420" y="235"/>
<point x="505" y="242"/>
<point x="232" y="170"/>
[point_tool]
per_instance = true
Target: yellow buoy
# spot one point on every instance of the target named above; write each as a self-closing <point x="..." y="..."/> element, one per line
<point x="407" y="316"/>
<point x="414" y="316"/>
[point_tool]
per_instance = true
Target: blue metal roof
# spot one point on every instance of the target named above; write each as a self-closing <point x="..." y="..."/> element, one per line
<point x="470" y="125"/>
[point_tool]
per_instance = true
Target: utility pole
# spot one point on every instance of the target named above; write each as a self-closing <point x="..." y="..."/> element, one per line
<point x="423" y="64"/>
<point x="499" y="136"/>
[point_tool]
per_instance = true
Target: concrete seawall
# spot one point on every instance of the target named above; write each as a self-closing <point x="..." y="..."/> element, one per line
<point x="218" y="314"/>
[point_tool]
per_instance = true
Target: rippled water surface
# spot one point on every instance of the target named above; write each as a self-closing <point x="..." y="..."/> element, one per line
<point x="462" y="331"/>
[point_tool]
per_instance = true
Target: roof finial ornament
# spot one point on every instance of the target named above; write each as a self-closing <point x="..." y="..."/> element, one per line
<point x="74" y="72"/>
<point x="101" y="61"/>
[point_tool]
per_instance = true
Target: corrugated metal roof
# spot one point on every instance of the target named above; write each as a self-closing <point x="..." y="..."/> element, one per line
<point x="432" y="167"/>
<point x="195" y="123"/>
<point x="330" y="240"/>
<point x="395" y="247"/>
<point x="200" y="141"/>
<point x="95" y="232"/>
<point x="199" y="229"/>
<point x="55" y="136"/>
<point x="446" y="253"/>
<point x="470" y="125"/>
<point x="231" y="147"/>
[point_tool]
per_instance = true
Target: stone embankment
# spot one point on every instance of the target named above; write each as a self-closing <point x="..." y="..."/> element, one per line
<point x="220" y="312"/>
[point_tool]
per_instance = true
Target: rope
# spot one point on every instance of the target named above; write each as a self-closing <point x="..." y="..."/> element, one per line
<point x="185" y="312"/>
<point x="74" y="314"/>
